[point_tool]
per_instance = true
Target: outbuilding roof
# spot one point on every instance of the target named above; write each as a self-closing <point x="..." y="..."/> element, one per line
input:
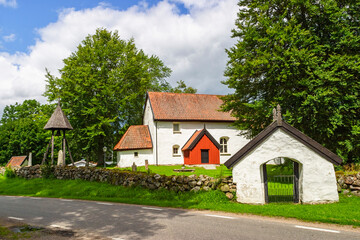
<point x="278" y="123"/>
<point x="16" y="161"/>
<point x="136" y="137"/>
<point x="187" y="107"/>
<point x="196" y="137"/>
<point x="58" y="120"/>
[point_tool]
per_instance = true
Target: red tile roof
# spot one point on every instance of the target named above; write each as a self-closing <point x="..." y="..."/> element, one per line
<point x="196" y="137"/>
<point x="136" y="137"/>
<point x="187" y="107"/>
<point x="16" y="161"/>
<point x="191" y="140"/>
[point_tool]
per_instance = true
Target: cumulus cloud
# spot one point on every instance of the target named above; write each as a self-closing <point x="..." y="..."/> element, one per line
<point x="9" y="38"/>
<point x="192" y="45"/>
<point x="8" y="3"/>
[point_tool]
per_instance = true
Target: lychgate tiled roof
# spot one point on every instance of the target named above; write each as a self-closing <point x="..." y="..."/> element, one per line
<point x="292" y="131"/>
<point x="136" y="137"/>
<point x="187" y="107"/>
<point x="16" y="161"/>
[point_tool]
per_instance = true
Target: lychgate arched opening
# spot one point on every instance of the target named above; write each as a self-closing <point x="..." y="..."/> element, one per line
<point x="281" y="180"/>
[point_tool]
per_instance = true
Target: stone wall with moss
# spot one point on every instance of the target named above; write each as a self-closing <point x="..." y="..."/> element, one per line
<point x="128" y="178"/>
<point x="349" y="184"/>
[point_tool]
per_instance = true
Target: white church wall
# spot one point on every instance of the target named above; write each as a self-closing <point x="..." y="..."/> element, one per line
<point x="167" y="139"/>
<point x="148" y="119"/>
<point x="127" y="158"/>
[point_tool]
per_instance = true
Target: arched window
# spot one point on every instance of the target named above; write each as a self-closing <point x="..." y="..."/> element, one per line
<point x="224" y="144"/>
<point x="176" y="151"/>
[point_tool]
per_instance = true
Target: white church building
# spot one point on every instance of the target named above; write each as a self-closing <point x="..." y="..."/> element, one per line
<point x="180" y="128"/>
<point x="189" y="129"/>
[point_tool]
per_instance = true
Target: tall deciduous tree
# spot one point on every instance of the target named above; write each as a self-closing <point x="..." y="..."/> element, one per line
<point x="22" y="130"/>
<point x="305" y="56"/>
<point x="102" y="89"/>
<point x="182" y="88"/>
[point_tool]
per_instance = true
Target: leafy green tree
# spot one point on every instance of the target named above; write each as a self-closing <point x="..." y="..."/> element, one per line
<point x="303" y="55"/>
<point x="102" y="89"/>
<point x="182" y="88"/>
<point x="22" y="130"/>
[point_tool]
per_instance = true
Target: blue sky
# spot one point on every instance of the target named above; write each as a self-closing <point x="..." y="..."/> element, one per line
<point x="22" y="20"/>
<point x="189" y="36"/>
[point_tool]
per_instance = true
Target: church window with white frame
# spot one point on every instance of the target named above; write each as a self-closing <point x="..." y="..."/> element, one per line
<point x="176" y="128"/>
<point x="224" y="144"/>
<point x="176" y="151"/>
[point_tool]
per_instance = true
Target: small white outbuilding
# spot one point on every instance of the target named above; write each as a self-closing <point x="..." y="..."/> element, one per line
<point x="314" y="175"/>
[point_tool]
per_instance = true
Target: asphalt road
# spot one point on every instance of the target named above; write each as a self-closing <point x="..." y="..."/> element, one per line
<point x="123" y="221"/>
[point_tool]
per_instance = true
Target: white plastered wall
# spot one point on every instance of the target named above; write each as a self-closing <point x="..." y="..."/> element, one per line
<point x="317" y="177"/>
<point x="167" y="139"/>
<point x="127" y="158"/>
<point x="163" y="138"/>
<point x="149" y="120"/>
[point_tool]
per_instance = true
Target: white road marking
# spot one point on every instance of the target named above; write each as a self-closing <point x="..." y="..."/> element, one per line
<point x="36" y="198"/>
<point x="101" y="203"/>
<point x="150" y="208"/>
<point x="16" y="218"/>
<point x="219" y="216"/>
<point x="66" y="200"/>
<point x="317" y="229"/>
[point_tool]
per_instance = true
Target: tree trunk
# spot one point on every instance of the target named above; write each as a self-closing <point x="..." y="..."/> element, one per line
<point x="99" y="153"/>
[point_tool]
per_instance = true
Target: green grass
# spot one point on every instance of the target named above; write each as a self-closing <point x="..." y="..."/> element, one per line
<point x="6" y="233"/>
<point x="221" y="170"/>
<point x="273" y="170"/>
<point x="345" y="212"/>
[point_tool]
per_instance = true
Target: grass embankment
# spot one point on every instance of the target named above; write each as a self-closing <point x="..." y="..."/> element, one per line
<point x="220" y="171"/>
<point x="345" y="212"/>
<point x="6" y="233"/>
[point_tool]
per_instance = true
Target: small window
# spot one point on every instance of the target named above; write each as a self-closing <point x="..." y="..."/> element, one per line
<point x="223" y="145"/>
<point x="136" y="154"/>
<point x="176" y="127"/>
<point x="176" y="151"/>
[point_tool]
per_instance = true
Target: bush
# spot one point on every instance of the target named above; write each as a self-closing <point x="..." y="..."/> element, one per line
<point x="353" y="167"/>
<point x="9" y="173"/>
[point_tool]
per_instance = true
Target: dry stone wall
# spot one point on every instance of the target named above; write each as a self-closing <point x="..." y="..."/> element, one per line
<point x="349" y="184"/>
<point x="129" y="178"/>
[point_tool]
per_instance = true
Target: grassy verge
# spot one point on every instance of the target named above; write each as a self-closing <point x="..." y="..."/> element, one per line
<point x="6" y="233"/>
<point x="168" y="170"/>
<point x="345" y="212"/>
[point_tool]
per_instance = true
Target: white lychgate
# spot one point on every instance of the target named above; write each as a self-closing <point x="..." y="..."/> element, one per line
<point x="315" y="180"/>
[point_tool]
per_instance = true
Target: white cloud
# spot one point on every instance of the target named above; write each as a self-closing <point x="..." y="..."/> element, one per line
<point x="192" y="45"/>
<point x="9" y="38"/>
<point x="8" y="3"/>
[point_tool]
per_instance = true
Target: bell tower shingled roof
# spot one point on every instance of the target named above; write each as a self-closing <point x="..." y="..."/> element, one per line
<point x="58" y="120"/>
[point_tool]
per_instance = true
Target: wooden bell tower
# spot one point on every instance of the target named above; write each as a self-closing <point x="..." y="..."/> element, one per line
<point x="58" y="122"/>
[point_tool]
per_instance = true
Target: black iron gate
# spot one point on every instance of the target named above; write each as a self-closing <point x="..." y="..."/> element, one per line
<point x="282" y="188"/>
